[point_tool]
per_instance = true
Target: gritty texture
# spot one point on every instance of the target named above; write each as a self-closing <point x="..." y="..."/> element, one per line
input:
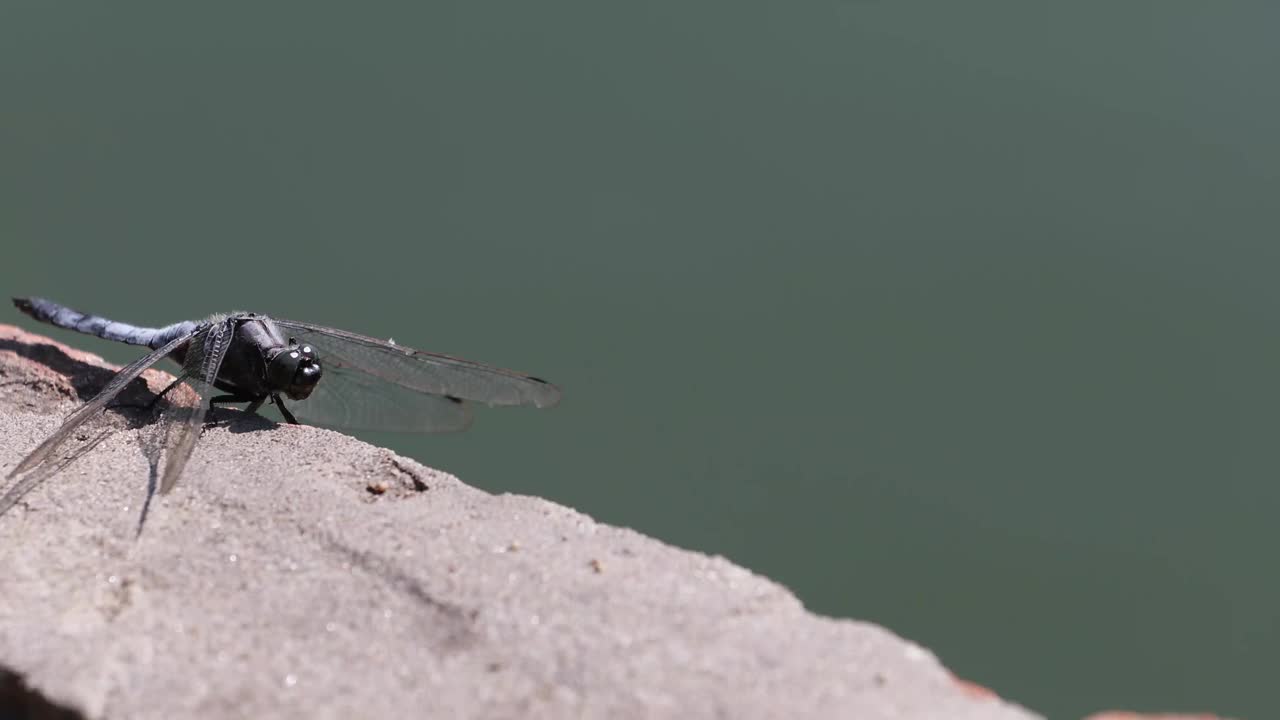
<point x="298" y="572"/>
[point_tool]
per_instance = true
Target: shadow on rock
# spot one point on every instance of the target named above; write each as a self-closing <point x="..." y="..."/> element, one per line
<point x="137" y="406"/>
<point x="19" y="701"/>
<point x="85" y="378"/>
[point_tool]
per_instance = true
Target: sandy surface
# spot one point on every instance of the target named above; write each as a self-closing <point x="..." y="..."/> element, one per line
<point x="298" y="572"/>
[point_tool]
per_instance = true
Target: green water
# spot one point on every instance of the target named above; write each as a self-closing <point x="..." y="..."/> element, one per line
<point x="956" y="317"/>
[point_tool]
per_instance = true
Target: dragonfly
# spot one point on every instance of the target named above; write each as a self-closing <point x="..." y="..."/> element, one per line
<point x="362" y="383"/>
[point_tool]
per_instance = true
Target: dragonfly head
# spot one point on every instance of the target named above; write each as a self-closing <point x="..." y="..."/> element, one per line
<point x="294" y="370"/>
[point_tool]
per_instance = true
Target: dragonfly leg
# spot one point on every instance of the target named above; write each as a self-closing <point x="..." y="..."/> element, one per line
<point x="226" y="399"/>
<point x="275" y="398"/>
<point x="250" y="409"/>
<point x="254" y="402"/>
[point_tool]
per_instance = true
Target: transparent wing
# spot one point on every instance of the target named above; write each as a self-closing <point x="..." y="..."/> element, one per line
<point x="186" y="421"/>
<point x="182" y="423"/>
<point x="32" y="479"/>
<point x="126" y="375"/>
<point x="422" y="371"/>
<point x="348" y="398"/>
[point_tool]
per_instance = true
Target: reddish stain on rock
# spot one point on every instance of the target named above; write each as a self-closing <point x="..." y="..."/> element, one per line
<point x="1124" y="715"/>
<point x="974" y="690"/>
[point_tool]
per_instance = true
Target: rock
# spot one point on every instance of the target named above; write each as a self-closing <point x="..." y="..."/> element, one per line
<point x="298" y="572"/>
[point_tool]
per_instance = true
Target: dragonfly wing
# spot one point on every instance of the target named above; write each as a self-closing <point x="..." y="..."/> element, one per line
<point x="126" y="375"/>
<point x="422" y="371"/>
<point x="348" y="398"/>
<point x="29" y="481"/>
<point x="203" y="361"/>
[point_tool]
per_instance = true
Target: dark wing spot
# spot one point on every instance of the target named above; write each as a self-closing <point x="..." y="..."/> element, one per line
<point x="457" y="400"/>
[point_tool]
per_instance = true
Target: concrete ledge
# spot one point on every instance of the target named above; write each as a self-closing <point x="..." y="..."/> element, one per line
<point x="298" y="572"/>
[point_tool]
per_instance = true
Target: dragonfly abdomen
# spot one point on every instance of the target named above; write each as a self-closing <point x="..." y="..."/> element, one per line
<point x="64" y="317"/>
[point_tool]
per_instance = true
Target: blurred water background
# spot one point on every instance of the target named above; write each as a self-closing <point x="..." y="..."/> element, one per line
<point x="955" y="317"/>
